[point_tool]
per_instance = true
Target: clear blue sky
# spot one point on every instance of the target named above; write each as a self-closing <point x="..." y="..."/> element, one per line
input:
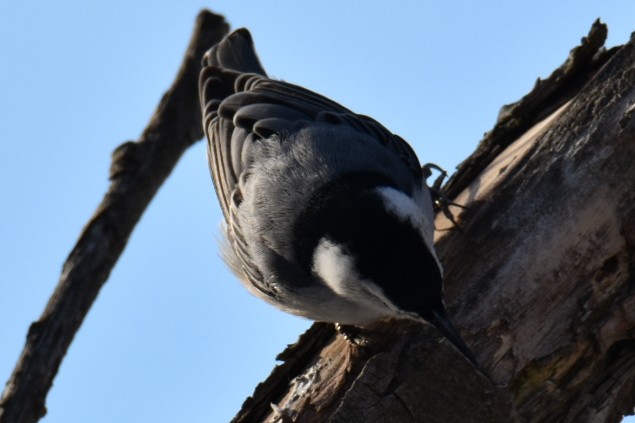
<point x="172" y="336"/>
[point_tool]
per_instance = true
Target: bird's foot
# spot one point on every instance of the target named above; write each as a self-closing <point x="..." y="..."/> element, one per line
<point x="353" y="335"/>
<point x="439" y="200"/>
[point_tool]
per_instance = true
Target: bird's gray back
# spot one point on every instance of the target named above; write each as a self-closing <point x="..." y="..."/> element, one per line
<point x="271" y="145"/>
<point x="287" y="170"/>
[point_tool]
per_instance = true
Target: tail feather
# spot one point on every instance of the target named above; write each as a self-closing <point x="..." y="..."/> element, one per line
<point x="236" y="52"/>
<point x="439" y="319"/>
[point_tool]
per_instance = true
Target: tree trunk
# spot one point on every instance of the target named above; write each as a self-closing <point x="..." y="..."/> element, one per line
<point x="539" y="276"/>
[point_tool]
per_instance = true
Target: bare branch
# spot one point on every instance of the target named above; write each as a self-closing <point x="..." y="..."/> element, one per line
<point x="138" y="169"/>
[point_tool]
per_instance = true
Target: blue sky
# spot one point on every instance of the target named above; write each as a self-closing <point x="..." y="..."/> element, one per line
<point x="172" y="336"/>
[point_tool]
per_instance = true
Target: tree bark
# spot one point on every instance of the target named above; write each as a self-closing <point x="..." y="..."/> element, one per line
<point x="539" y="276"/>
<point x="138" y="169"/>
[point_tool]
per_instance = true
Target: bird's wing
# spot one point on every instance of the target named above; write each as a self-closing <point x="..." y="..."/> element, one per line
<point x="240" y="109"/>
<point x="241" y="106"/>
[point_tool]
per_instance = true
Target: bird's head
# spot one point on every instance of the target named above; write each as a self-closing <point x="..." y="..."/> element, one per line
<point x="370" y="242"/>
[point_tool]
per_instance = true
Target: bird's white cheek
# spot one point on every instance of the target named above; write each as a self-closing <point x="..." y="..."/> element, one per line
<point x="334" y="267"/>
<point x="337" y="270"/>
<point x="405" y="208"/>
<point x="417" y="212"/>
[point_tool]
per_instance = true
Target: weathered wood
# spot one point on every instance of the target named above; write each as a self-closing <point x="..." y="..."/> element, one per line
<point x="405" y="370"/>
<point x="540" y="279"/>
<point x="546" y="96"/>
<point x="138" y="170"/>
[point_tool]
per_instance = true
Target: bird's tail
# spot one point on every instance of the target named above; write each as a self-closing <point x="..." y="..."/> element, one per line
<point x="223" y="64"/>
<point x="440" y="320"/>
<point x="236" y="52"/>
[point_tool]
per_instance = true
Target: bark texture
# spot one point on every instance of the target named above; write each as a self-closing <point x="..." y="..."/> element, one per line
<point x="138" y="169"/>
<point x="540" y="278"/>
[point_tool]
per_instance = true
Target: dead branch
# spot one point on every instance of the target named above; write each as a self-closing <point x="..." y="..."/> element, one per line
<point x="138" y="169"/>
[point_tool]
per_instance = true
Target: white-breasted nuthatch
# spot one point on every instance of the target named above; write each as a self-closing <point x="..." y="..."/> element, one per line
<point x="328" y="215"/>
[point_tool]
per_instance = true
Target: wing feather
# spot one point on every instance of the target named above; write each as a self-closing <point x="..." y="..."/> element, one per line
<point x="241" y="106"/>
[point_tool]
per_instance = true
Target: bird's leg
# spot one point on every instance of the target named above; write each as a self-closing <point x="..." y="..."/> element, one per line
<point x="439" y="200"/>
<point x="427" y="171"/>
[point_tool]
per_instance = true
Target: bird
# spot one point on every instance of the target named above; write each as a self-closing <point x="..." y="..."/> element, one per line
<point x="327" y="213"/>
